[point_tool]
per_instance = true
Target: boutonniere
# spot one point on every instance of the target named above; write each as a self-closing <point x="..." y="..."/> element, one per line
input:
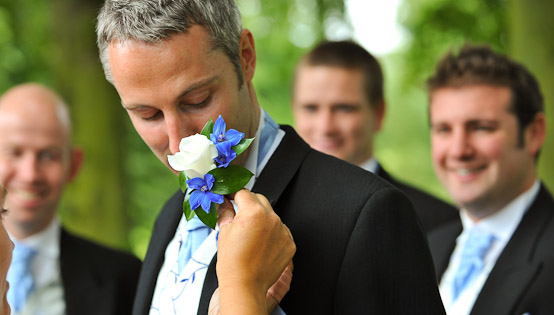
<point x="203" y="162"/>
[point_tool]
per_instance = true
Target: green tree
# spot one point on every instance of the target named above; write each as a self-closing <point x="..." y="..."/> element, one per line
<point x="532" y="43"/>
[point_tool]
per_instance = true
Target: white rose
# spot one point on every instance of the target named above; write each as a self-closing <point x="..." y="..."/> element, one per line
<point x="195" y="157"/>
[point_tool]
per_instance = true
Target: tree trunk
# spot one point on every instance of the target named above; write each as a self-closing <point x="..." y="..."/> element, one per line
<point x="532" y="43"/>
<point x="96" y="204"/>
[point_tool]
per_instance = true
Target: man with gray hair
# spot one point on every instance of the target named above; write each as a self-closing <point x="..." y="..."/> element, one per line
<point x="175" y="65"/>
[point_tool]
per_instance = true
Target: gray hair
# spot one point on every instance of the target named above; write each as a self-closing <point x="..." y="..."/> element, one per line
<point x="152" y="21"/>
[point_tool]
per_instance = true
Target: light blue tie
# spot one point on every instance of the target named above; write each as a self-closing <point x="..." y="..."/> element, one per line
<point x="471" y="262"/>
<point x="19" y="276"/>
<point x="197" y="233"/>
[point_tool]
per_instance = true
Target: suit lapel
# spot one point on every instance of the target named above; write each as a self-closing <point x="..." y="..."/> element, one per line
<point x="442" y="242"/>
<point x="282" y="166"/>
<point x="517" y="266"/>
<point x="275" y="177"/>
<point x="82" y="291"/>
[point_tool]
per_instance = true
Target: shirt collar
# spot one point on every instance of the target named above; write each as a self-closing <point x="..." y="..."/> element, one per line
<point x="503" y="223"/>
<point x="370" y="165"/>
<point x="46" y="241"/>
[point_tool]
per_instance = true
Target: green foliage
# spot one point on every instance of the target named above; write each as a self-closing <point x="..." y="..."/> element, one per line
<point x="230" y="179"/>
<point x="436" y="26"/>
<point x="210" y="219"/>
<point x="242" y="146"/>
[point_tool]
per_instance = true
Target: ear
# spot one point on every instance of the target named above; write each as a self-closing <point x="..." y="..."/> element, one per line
<point x="535" y="134"/>
<point x="77" y="158"/>
<point x="247" y="54"/>
<point x="379" y="114"/>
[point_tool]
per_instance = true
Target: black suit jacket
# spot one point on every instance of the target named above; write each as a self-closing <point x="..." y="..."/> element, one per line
<point x="96" y="279"/>
<point x="433" y="212"/>
<point x="360" y="248"/>
<point x="522" y="279"/>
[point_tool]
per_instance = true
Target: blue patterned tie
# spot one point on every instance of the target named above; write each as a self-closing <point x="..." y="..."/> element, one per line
<point x="19" y="276"/>
<point x="197" y="233"/>
<point x="471" y="263"/>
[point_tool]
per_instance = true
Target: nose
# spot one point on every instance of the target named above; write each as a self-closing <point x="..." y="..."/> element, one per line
<point x="461" y="146"/>
<point x="325" y="123"/>
<point x="175" y="132"/>
<point x="29" y="168"/>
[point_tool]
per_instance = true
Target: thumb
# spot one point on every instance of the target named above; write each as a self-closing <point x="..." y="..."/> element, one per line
<point x="225" y="213"/>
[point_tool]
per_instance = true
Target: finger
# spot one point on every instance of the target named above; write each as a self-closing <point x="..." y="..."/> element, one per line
<point x="263" y="200"/>
<point x="213" y="308"/>
<point x="225" y="213"/>
<point x="277" y="292"/>
<point x="232" y="196"/>
<point x="246" y="200"/>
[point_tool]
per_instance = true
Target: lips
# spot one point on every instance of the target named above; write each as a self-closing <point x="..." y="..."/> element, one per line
<point x="27" y="197"/>
<point x="467" y="172"/>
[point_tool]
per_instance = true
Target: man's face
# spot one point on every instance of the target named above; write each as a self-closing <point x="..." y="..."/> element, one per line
<point x="172" y="88"/>
<point x="332" y="113"/>
<point x="476" y="152"/>
<point x="34" y="163"/>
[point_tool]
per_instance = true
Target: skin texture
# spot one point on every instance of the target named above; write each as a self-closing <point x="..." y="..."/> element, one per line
<point x="170" y="92"/>
<point x="475" y="149"/>
<point x="36" y="160"/>
<point x="6" y="247"/>
<point x="254" y="249"/>
<point x="332" y="112"/>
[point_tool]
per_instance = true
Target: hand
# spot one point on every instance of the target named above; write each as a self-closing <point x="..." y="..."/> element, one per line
<point x="254" y="249"/>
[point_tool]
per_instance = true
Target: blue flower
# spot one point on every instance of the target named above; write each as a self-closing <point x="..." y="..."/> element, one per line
<point x="201" y="194"/>
<point x="220" y="136"/>
<point x="225" y="154"/>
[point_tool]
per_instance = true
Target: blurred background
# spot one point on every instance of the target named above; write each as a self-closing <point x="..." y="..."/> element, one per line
<point x="122" y="187"/>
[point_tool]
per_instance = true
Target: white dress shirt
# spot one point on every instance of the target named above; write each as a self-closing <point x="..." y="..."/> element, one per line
<point x="48" y="295"/>
<point x="502" y="225"/>
<point x="180" y="293"/>
<point x="370" y="165"/>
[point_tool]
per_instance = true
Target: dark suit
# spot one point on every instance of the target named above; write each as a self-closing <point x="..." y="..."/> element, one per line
<point x="522" y="279"/>
<point x="433" y="212"/>
<point x="96" y="279"/>
<point x="360" y="248"/>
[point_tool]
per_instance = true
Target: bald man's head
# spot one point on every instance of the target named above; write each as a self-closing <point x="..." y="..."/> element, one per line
<point x="36" y="158"/>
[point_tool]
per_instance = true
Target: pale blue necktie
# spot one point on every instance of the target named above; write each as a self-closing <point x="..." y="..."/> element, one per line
<point x="198" y="231"/>
<point x="471" y="262"/>
<point x="19" y="276"/>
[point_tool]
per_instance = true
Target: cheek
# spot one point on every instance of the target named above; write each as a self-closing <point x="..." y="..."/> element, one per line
<point x="304" y="124"/>
<point x="152" y="136"/>
<point x="438" y="150"/>
<point x="490" y="148"/>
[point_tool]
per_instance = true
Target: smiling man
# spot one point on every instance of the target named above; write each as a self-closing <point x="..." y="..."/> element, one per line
<point x="338" y="105"/>
<point x="487" y="129"/>
<point x="63" y="274"/>
<point x="360" y="250"/>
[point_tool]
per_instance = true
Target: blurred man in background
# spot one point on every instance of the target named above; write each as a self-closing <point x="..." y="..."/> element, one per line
<point x="487" y="128"/>
<point x="52" y="271"/>
<point x="338" y="108"/>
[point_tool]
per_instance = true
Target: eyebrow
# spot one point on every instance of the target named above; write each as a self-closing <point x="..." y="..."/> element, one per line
<point x="194" y="86"/>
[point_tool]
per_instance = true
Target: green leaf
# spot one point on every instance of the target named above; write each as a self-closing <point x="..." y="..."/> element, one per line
<point x="230" y="179"/>
<point x="208" y="128"/>
<point x="189" y="214"/>
<point x="243" y="145"/>
<point x="210" y="219"/>
<point x="183" y="181"/>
